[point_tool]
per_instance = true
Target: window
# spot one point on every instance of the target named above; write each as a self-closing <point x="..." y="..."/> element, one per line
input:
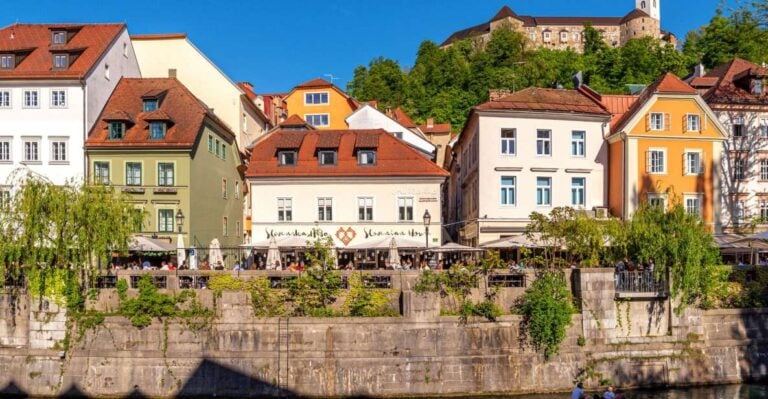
<point x="325" y="209"/>
<point x="405" y="209"/>
<point x="106" y="71"/>
<point x="508" y="141"/>
<point x="165" y="174"/>
<point x="327" y="157"/>
<point x="5" y="99"/>
<point x="693" y="163"/>
<point x="101" y="173"/>
<point x="59" y="37"/>
<point x="576" y="37"/>
<point x="367" y="157"/>
<point x="398" y="135"/>
<point x="316" y="98"/>
<point x="116" y="130"/>
<point x="739" y="212"/>
<point x="223" y="151"/>
<point x="739" y="167"/>
<point x="738" y="127"/>
<point x="6" y="61"/>
<point x="547" y="36"/>
<point x="657" y="161"/>
<point x="210" y="143"/>
<point x="763" y="211"/>
<point x="59" y="151"/>
<point x="365" y="209"/>
<point x="165" y="220"/>
<point x="156" y="130"/>
<point x="693" y="123"/>
<point x="237" y="190"/>
<point x="543" y="191"/>
<point x="31" y="151"/>
<point x="5" y="149"/>
<point x="657" y="121"/>
<point x="284" y="209"/>
<point x="763" y="169"/>
<point x="544" y="142"/>
<point x="577" y="191"/>
<point x="317" y="120"/>
<point x="132" y="174"/>
<point x="657" y="200"/>
<point x="125" y="50"/>
<point x="238" y="231"/>
<point x="286" y="158"/>
<point x="150" y="104"/>
<point x="693" y="205"/>
<point x="763" y="125"/>
<point x="31" y="98"/>
<point x="225" y="226"/>
<point x="224" y="188"/>
<point x="60" y="61"/>
<point x="508" y="190"/>
<point x="58" y="98"/>
<point x="577" y="143"/>
<point x="218" y="148"/>
<point x="563" y="36"/>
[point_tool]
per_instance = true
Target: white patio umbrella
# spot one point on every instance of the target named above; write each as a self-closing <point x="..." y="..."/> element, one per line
<point x="181" y="253"/>
<point x="214" y="254"/>
<point x="273" y="254"/>
<point x="453" y="247"/>
<point x="193" y="258"/>
<point x="147" y="244"/>
<point x="394" y="255"/>
<point x="384" y="242"/>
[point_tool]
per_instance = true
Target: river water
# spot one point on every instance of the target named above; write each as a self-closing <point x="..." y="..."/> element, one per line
<point x="713" y="392"/>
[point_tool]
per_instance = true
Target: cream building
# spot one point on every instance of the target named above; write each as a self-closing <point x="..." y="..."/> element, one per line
<point x="174" y="56"/>
<point x="568" y="32"/>
<point x="530" y="151"/>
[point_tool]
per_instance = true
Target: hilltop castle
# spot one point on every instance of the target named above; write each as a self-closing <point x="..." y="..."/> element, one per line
<point x="561" y="33"/>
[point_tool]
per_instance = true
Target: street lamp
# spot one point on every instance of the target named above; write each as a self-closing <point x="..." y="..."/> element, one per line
<point x="179" y="219"/>
<point x="427" y="221"/>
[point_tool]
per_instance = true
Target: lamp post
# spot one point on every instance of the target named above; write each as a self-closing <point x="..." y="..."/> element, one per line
<point x="427" y="221"/>
<point x="179" y="219"/>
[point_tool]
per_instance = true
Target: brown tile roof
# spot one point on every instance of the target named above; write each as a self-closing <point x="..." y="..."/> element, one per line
<point x="504" y="12"/>
<point x="246" y="88"/>
<point x="295" y="121"/>
<point x="179" y="104"/>
<point x="730" y="88"/>
<point x="401" y="117"/>
<point x="704" y="81"/>
<point x="393" y="157"/>
<point x="289" y="140"/>
<point x="329" y="140"/>
<point x="667" y="84"/>
<point x="367" y="140"/>
<point x="436" y="128"/>
<point x="319" y="82"/>
<point x="634" y="14"/>
<point x="32" y="43"/>
<point x="538" y="99"/>
<point x="617" y="105"/>
<point x="159" y="36"/>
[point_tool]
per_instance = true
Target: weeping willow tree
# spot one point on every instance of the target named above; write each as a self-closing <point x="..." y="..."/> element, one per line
<point x="56" y="236"/>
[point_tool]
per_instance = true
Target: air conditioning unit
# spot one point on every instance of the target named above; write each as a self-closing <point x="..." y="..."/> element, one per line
<point x="601" y="212"/>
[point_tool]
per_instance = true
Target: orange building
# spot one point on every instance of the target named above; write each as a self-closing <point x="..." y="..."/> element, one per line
<point x="664" y="148"/>
<point x="321" y="104"/>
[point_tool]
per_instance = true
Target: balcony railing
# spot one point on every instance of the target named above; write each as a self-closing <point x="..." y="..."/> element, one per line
<point x="639" y="283"/>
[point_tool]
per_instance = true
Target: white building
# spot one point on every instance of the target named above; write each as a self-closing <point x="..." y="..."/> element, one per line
<point x="368" y="117"/>
<point x="530" y="151"/>
<point x="54" y="82"/>
<point x="351" y="184"/>
<point x="174" y="56"/>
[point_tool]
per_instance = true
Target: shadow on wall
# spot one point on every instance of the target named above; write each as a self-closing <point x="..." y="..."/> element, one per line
<point x="754" y="327"/>
<point x="12" y="391"/>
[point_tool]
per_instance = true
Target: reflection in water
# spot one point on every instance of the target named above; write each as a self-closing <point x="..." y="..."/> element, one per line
<point x="716" y="392"/>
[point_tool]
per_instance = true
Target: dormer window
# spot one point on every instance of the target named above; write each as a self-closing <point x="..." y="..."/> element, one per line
<point x="60" y="61"/>
<point x="7" y="61"/>
<point x="157" y="130"/>
<point x="366" y="157"/>
<point x="150" y="104"/>
<point x="326" y="157"/>
<point x="757" y="87"/>
<point x="116" y="130"/>
<point x="286" y="158"/>
<point x="59" y="37"/>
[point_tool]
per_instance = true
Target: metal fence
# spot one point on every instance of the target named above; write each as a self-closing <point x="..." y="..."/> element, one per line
<point x="639" y="282"/>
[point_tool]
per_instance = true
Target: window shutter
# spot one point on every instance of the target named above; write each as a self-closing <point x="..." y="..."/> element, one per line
<point x="685" y="164"/>
<point x="685" y="123"/>
<point x="648" y="122"/>
<point x="703" y="121"/>
<point x="667" y="120"/>
<point x="648" y="162"/>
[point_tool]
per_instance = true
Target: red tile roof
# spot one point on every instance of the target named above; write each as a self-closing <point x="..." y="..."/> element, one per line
<point x="246" y="88"/>
<point x="179" y="104"/>
<point x="667" y="84"/>
<point x="319" y="82"/>
<point x="732" y="84"/>
<point x="295" y="121"/>
<point x="322" y="83"/>
<point x="401" y="117"/>
<point x="437" y="128"/>
<point x="538" y="99"/>
<point x="393" y="157"/>
<point x="617" y="105"/>
<point x="159" y="36"/>
<point x="32" y="42"/>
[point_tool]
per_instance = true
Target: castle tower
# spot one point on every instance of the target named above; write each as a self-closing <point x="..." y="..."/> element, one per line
<point x="651" y="7"/>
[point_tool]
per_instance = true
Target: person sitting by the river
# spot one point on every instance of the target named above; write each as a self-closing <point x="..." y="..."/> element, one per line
<point x="608" y="394"/>
<point x="578" y="391"/>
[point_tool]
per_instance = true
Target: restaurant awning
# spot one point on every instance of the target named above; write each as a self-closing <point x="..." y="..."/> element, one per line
<point x="147" y="244"/>
<point x="520" y="241"/>
<point x="384" y="242"/>
<point x="286" y="242"/>
<point x="453" y="247"/>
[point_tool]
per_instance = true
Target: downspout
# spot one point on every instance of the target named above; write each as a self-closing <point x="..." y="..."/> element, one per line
<point x="85" y="130"/>
<point x="624" y="176"/>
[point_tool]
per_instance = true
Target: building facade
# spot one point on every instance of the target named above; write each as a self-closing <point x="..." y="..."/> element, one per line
<point x="321" y="104"/>
<point x="168" y="153"/>
<point x="735" y="92"/>
<point x="352" y="185"/>
<point x="530" y="151"/>
<point x="54" y="82"/>
<point x="665" y="149"/>
<point x="568" y="32"/>
<point x="174" y="56"/>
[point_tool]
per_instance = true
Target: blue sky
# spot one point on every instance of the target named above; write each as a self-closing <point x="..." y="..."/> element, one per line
<point x="279" y="43"/>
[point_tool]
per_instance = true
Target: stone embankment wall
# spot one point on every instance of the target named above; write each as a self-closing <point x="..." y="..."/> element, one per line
<point x="420" y="353"/>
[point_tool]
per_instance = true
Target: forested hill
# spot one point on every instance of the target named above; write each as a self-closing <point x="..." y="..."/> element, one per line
<point x="446" y="83"/>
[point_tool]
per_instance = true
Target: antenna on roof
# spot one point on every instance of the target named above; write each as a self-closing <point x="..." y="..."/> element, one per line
<point x="331" y="77"/>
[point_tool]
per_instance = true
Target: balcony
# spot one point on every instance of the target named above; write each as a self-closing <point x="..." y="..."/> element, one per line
<point x="640" y="284"/>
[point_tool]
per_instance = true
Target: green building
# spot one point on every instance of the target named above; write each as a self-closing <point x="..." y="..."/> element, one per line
<point x="162" y="147"/>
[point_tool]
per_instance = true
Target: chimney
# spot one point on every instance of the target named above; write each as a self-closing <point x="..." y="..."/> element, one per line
<point x="247" y="84"/>
<point x="699" y="71"/>
<point x="430" y="123"/>
<point x="578" y="80"/>
<point x="497" y="94"/>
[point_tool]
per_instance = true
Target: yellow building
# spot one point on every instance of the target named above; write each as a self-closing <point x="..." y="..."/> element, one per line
<point x="321" y="104"/>
<point x="665" y="149"/>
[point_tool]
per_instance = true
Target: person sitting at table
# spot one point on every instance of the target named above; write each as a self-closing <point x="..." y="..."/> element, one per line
<point x="293" y="267"/>
<point x="205" y="265"/>
<point x="219" y="266"/>
<point x="145" y="265"/>
<point x="163" y="265"/>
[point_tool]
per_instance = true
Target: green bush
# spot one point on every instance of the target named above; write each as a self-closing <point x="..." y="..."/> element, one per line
<point x="151" y="304"/>
<point x="364" y="301"/>
<point x="547" y="308"/>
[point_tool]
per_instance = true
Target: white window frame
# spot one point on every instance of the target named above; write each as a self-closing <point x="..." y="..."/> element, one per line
<point x="579" y="146"/>
<point x="129" y="179"/>
<point x="508" y="190"/>
<point x="30" y="140"/>
<point x="373" y="156"/>
<point x="547" y="36"/>
<point x="163" y="227"/>
<point x="281" y="157"/>
<point x="365" y="204"/>
<point x="739" y="169"/>
<point x="563" y="36"/>
<point x="763" y="204"/>
<point x="7" y="142"/>
<point x="544" y="143"/>
<point x="97" y="179"/>
<point x="57" y="57"/>
<point x="508" y="145"/>
<point x="764" y="169"/>
<point x="405" y="203"/>
<point x="700" y="168"/>
<point x="650" y="166"/>
<point x="307" y="117"/>
<point x="660" y="126"/>
<point x="320" y="154"/>
<point x="285" y="209"/>
<point x="4" y="61"/>
<point x="24" y="103"/>
<point x="237" y="190"/>
<point x="541" y="190"/>
<point x="6" y="99"/>
<point x="53" y="143"/>
<point x="58" y="98"/>
<point x="652" y="197"/>
<point x="162" y="179"/>
<point x="690" y="121"/>
<point x="698" y="200"/>
<point x="579" y="191"/>
<point x="325" y="209"/>
<point x="320" y="95"/>
<point x="57" y="34"/>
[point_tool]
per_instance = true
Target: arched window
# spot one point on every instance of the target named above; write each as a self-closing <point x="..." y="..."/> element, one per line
<point x="642" y="4"/>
